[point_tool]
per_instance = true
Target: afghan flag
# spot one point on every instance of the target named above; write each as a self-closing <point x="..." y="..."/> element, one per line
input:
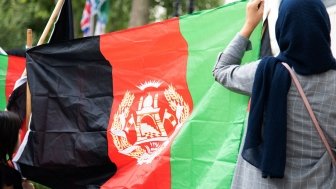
<point x="12" y="94"/>
<point x="138" y="108"/>
<point x="11" y="68"/>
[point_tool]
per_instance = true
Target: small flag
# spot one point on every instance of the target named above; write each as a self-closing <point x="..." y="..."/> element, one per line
<point x="102" y="17"/>
<point x="86" y="19"/>
<point x="94" y="18"/>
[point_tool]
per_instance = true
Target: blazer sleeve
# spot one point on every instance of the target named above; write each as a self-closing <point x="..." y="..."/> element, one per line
<point x="228" y="71"/>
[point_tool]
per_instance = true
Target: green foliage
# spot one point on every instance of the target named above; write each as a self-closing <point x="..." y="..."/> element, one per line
<point x="198" y="5"/>
<point x="19" y="15"/>
<point x="120" y="10"/>
<point x="119" y="15"/>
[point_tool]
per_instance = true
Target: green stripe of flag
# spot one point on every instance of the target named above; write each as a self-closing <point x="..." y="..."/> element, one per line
<point x="3" y="75"/>
<point x="204" y="153"/>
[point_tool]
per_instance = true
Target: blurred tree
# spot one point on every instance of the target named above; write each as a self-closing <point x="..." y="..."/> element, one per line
<point x="184" y="6"/>
<point x="139" y="14"/>
<point x="164" y="9"/>
<point x="18" y="15"/>
<point x="118" y="15"/>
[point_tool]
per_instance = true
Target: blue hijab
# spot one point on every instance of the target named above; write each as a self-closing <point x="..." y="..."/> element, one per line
<point x="303" y="35"/>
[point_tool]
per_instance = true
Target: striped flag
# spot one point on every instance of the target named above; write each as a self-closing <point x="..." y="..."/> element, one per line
<point x="94" y="18"/>
<point x="86" y="19"/>
<point x="102" y="17"/>
<point x="11" y="68"/>
<point x="12" y="88"/>
<point x="137" y="108"/>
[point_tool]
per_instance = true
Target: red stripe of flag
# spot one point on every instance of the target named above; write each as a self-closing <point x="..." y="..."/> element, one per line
<point x="133" y="66"/>
<point x="16" y="65"/>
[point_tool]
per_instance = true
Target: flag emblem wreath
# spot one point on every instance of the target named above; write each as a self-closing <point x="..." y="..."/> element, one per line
<point x="154" y="114"/>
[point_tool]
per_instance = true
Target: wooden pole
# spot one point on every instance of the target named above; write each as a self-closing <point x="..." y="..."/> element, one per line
<point x="29" y="44"/>
<point x="51" y="21"/>
<point x="46" y="30"/>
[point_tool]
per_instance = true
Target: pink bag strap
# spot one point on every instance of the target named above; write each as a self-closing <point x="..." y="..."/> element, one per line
<point x="311" y="113"/>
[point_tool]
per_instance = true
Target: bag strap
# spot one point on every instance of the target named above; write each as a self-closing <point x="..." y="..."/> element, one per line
<point x="311" y="113"/>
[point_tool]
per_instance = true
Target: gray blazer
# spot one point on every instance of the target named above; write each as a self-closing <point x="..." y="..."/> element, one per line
<point x="308" y="164"/>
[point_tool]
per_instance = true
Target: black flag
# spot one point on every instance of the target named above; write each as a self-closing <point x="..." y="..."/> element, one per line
<point x="63" y="29"/>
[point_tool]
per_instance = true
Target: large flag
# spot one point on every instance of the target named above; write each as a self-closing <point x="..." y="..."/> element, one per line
<point x="144" y="99"/>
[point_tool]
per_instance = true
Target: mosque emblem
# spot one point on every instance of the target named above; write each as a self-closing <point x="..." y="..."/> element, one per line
<point x="145" y="121"/>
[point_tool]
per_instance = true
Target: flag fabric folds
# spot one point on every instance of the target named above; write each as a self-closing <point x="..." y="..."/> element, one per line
<point x="139" y="108"/>
<point x="17" y="99"/>
<point x="67" y="137"/>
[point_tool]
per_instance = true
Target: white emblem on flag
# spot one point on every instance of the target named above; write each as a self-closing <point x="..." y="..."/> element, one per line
<point x="148" y="121"/>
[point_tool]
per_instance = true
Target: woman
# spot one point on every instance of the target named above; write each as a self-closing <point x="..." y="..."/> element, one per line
<point x="9" y="140"/>
<point x="282" y="148"/>
<point x="9" y="136"/>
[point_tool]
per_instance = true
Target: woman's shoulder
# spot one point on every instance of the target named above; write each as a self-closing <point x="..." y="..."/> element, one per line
<point x="328" y="76"/>
<point x="319" y="87"/>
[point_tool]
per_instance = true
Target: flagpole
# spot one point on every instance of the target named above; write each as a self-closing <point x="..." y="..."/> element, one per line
<point x="51" y="21"/>
<point x="29" y="44"/>
<point x="53" y="17"/>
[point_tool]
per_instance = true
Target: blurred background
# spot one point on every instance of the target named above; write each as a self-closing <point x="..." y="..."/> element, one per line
<point x="18" y="15"/>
